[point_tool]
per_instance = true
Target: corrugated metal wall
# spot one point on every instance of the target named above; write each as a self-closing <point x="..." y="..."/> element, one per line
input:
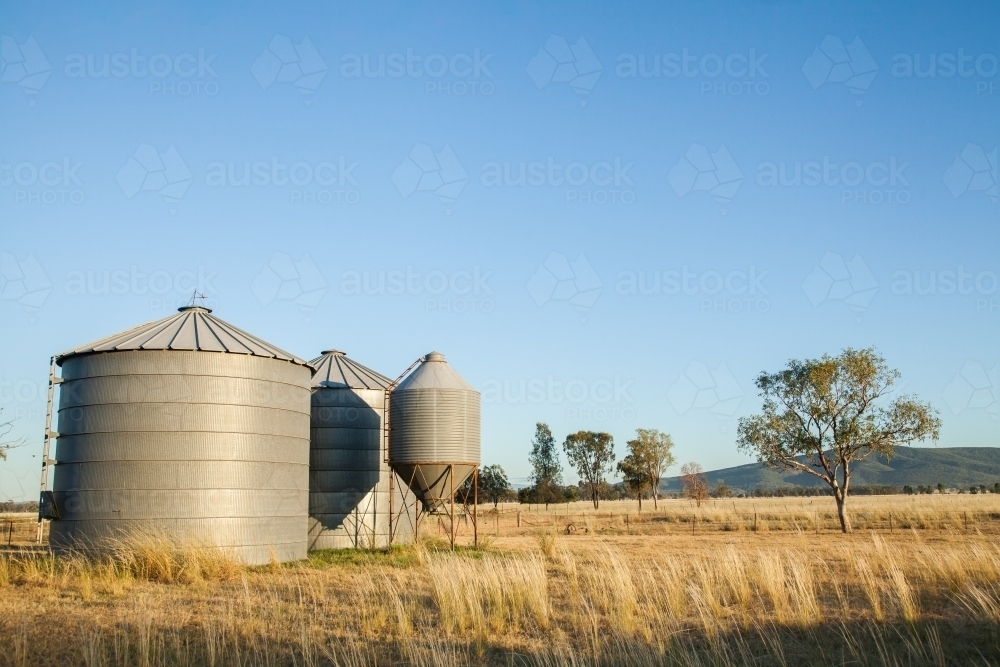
<point x="207" y="446"/>
<point x="434" y="425"/>
<point x="434" y="443"/>
<point x="349" y="478"/>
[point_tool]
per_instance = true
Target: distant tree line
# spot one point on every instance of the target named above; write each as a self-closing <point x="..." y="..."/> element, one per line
<point x="819" y="491"/>
<point x="11" y="507"/>
<point x="494" y="488"/>
<point x="722" y="490"/>
<point x="592" y="455"/>
<point x="819" y="416"/>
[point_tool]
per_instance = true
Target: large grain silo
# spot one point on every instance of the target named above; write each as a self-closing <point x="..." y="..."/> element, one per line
<point x="188" y="427"/>
<point x="434" y="434"/>
<point x="350" y="482"/>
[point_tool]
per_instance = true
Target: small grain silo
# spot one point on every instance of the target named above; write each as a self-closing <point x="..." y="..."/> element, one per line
<point x="434" y="434"/>
<point x="350" y="482"/>
<point x="189" y="427"/>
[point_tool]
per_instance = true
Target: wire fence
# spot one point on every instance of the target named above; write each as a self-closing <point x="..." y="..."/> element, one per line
<point x="515" y="520"/>
<point x="16" y="531"/>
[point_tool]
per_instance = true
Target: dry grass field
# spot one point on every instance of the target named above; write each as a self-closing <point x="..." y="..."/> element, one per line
<point x="735" y="582"/>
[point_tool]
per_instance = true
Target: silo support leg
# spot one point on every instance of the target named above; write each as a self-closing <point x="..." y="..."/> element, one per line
<point x="451" y="475"/>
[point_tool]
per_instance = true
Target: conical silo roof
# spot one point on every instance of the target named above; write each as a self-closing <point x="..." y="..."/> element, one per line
<point x="434" y="373"/>
<point x="336" y="370"/>
<point x="193" y="328"/>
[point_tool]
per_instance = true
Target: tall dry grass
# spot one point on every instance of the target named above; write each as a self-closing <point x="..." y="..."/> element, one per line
<point x="948" y="512"/>
<point x="908" y="599"/>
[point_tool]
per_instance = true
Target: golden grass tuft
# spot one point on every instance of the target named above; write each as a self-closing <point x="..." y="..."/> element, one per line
<point x="156" y="556"/>
<point x="494" y="594"/>
<point x="642" y="597"/>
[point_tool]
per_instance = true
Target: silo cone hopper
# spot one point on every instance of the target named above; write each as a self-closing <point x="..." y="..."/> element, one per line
<point x="432" y="483"/>
<point x="434" y="436"/>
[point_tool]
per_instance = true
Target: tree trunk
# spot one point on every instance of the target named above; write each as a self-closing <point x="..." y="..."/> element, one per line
<point x="640" y="501"/>
<point x="845" y="521"/>
<point x="656" y="494"/>
<point x="841" y="495"/>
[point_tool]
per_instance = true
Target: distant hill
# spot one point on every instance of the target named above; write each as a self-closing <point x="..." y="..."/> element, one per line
<point x="955" y="467"/>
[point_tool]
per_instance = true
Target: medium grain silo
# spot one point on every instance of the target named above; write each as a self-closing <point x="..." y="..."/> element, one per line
<point x="188" y="427"/>
<point x="350" y="481"/>
<point x="434" y="435"/>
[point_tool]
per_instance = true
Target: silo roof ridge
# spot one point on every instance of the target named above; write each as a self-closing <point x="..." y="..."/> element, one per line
<point x="336" y="369"/>
<point x="192" y="329"/>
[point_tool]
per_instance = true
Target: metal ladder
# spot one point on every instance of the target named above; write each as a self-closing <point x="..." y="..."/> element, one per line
<point x="50" y="435"/>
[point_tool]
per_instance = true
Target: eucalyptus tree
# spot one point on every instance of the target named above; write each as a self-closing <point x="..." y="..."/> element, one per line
<point x="821" y="416"/>
<point x="592" y="454"/>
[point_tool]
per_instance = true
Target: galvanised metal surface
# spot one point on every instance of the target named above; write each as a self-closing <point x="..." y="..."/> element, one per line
<point x="434" y="419"/>
<point x="432" y="483"/>
<point x="176" y="436"/>
<point x="193" y="328"/>
<point x="348" y="475"/>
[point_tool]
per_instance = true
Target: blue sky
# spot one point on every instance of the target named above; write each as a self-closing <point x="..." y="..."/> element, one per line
<point x="124" y="187"/>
